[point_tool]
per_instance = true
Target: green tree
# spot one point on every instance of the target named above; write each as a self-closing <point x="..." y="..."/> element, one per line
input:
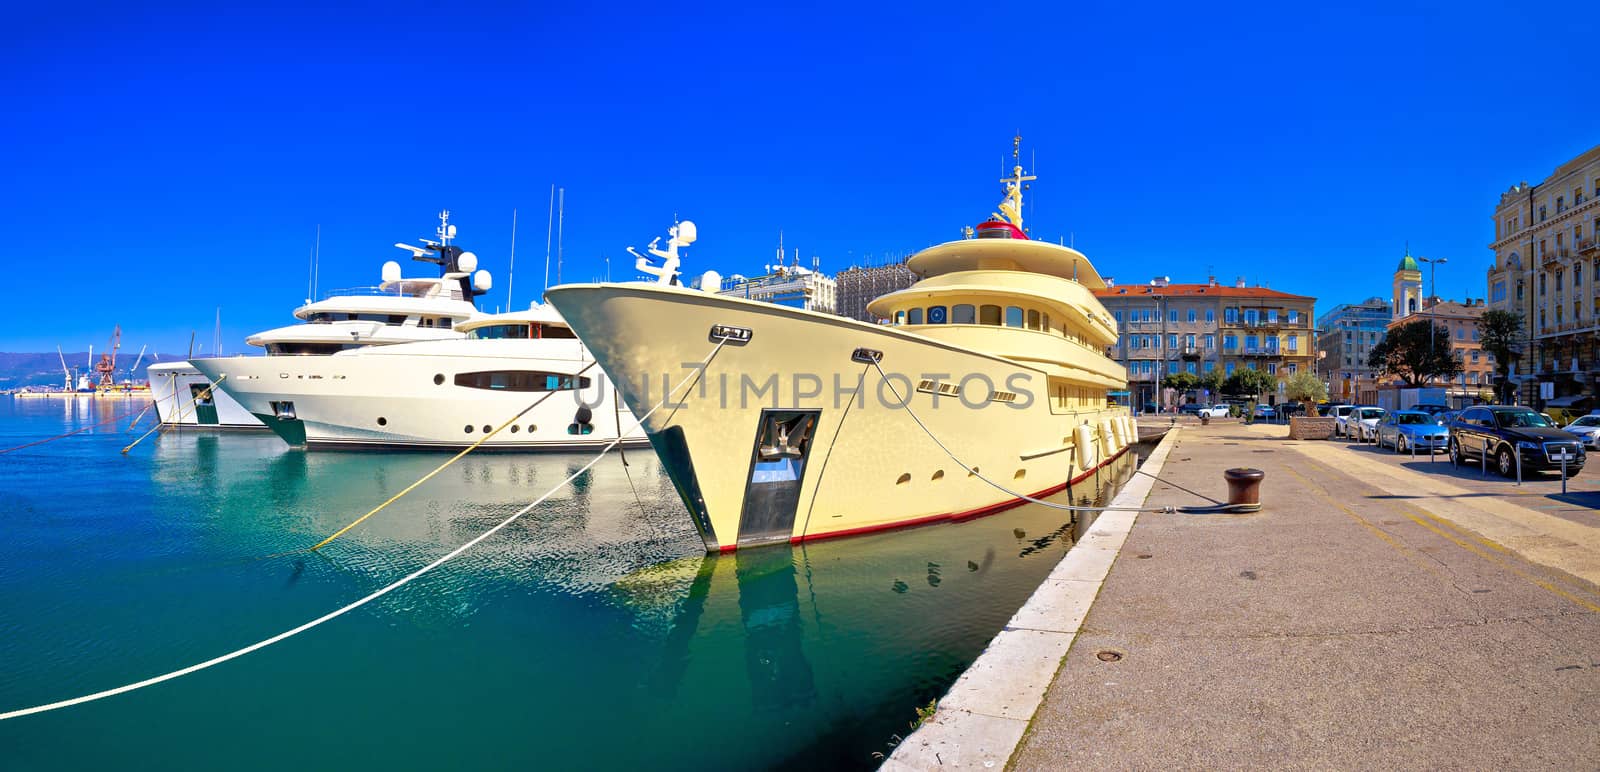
<point x="1407" y="353"/>
<point x="1306" y="387"/>
<point x="1181" y="381"/>
<point x="1500" y="333"/>
<point x="1213" y="381"/>
<point x="1250" y="382"/>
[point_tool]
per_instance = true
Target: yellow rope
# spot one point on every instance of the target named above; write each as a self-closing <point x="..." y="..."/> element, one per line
<point x="443" y="466"/>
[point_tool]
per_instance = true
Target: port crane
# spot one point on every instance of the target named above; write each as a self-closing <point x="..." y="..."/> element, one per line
<point x="107" y="366"/>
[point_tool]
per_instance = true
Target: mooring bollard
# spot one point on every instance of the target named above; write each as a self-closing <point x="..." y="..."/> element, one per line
<point x="1244" y="489"/>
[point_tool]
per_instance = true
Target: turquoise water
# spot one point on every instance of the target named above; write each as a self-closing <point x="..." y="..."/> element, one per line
<point x="592" y="633"/>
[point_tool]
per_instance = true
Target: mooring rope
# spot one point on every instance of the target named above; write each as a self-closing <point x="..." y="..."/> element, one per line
<point x="905" y="404"/>
<point x="194" y="402"/>
<point x="457" y="457"/>
<point x="407" y="579"/>
<point x="68" y="434"/>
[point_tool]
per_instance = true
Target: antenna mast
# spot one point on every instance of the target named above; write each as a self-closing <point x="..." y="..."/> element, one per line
<point x="561" y="218"/>
<point x="511" y="273"/>
<point x="549" y="229"/>
<point x="316" y="262"/>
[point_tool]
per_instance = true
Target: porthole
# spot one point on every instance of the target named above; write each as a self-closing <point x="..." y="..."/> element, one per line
<point x="469" y="428"/>
<point x="939" y="475"/>
<point x="515" y="428"/>
<point x="438" y="379"/>
<point x="904" y="478"/>
<point x="487" y="428"/>
<point x="383" y="421"/>
<point x="1020" y="474"/>
<point x="532" y="428"/>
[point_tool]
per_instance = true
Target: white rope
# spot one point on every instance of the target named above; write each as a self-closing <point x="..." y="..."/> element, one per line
<point x="407" y="579"/>
<point x="905" y="404"/>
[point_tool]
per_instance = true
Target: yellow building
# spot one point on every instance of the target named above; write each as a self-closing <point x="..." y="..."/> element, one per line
<point x="1545" y="264"/>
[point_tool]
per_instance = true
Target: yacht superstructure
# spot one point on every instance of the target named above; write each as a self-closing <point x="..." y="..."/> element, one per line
<point x="399" y="310"/>
<point x="440" y="394"/>
<point x="802" y="425"/>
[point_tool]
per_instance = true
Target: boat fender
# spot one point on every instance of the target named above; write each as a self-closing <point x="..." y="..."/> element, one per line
<point x="1107" y="441"/>
<point x="1133" y="431"/>
<point x="1083" y="440"/>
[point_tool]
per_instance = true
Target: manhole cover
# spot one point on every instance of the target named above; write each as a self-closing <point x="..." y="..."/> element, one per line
<point x="1108" y="655"/>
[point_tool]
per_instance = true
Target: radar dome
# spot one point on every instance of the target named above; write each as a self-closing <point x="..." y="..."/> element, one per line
<point x="467" y="262"/>
<point x="711" y="281"/>
<point x="391" y="271"/>
<point x="686" y="232"/>
<point x="481" y="281"/>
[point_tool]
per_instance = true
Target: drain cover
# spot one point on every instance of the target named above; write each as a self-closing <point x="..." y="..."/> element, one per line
<point x="1108" y="655"/>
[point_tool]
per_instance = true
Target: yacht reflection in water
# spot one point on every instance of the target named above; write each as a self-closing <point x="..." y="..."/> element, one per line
<point x="897" y="614"/>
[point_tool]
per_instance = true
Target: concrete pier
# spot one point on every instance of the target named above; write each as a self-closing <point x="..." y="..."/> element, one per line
<point x="1379" y="611"/>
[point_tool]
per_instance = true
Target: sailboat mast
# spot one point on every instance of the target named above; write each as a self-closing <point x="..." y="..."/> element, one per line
<point x="511" y="273"/>
<point x="549" y="229"/>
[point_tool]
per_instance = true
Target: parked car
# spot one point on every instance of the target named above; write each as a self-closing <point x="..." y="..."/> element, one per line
<point x="1215" y="411"/>
<point x="1496" y="432"/>
<point x="1190" y="408"/>
<point x="1341" y="415"/>
<point x="1433" y="410"/>
<point x="1404" y="430"/>
<point x="1291" y="408"/>
<point x="1265" y="412"/>
<point x="1587" y="428"/>
<point x="1362" y="423"/>
<point x="1327" y="409"/>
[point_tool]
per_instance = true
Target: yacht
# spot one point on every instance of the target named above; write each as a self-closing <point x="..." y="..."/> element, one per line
<point x="987" y="385"/>
<point x="439" y="394"/>
<point x="398" y="310"/>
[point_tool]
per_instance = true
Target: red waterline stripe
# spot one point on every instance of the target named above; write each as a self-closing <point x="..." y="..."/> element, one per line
<point x="970" y="514"/>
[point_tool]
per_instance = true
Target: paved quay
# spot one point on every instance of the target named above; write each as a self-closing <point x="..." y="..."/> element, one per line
<point x="1379" y="611"/>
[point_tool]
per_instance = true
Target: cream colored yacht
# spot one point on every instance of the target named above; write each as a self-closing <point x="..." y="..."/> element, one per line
<point x="439" y="394"/>
<point x="804" y="425"/>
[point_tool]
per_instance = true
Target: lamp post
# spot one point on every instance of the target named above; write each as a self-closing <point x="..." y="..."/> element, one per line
<point x="1433" y="265"/>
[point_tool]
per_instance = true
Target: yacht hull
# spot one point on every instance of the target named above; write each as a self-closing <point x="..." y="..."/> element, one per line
<point x="366" y="399"/>
<point x="854" y="459"/>
<point x="178" y="390"/>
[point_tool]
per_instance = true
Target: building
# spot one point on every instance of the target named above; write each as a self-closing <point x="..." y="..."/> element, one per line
<point x="1166" y="328"/>
<point x="1345" y="339"/>
<point x="1476" y="379"/>
<point x="858" y="286"/>
<point x="1545" y="263"/>
<point x="786" y="285"/>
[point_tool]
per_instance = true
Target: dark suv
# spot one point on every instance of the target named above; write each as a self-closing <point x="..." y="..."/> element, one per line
<point x="1497" y="432"/>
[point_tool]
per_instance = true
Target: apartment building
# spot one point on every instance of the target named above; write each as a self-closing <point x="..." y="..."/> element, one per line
<point x="1546" y="260"/>
<point x="1166" y="328"/>
<point x="1345" y="339"/>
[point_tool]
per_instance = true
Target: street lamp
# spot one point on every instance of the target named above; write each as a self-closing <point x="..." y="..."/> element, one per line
<point x="1433" y="265"/>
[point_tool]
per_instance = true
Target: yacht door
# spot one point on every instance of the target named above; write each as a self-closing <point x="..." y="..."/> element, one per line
<point x="205" y="405"/>
<point x="777" y="469"/>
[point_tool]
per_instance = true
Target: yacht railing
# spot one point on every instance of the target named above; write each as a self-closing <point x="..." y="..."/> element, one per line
<point x="448" y="293"/>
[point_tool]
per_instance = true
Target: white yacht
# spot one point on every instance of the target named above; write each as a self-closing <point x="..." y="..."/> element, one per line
<point x="399" y="310"/>
<point x="439" y="394"/>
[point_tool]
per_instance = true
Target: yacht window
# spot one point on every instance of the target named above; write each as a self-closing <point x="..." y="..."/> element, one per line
<point x="936" y="315"/>
<point x="554" y="331"/>
<point x="499" y="331"/>
<point x="899" y="317"/>
<point x="1033" y="319"/>
<point x="914" y="316"/>
<point x="963" y="314"/>
<point x="1013" y="316"/>
<point x="443" y="322"/>
<point x="520" y="380"/>
<point x="989" y="315"/>
<point x="1046" y="324"/>
<point x="307" y="349"/>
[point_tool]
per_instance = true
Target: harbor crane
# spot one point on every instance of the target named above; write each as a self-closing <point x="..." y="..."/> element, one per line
<point x="107" y="366"/>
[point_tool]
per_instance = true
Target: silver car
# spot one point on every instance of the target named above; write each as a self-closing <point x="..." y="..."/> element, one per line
<point x="1588" y="429"/>
<point x="1362" y="423"/>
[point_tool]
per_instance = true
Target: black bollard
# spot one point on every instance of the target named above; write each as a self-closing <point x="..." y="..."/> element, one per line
<point x="1244" y="489"/>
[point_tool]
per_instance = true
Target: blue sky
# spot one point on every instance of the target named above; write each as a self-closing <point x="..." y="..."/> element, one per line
<point x="161" y="162"/>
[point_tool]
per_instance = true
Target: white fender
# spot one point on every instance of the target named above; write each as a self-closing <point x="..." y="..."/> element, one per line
<point x="1108" y="442"/>
<point x="1083" y="440"/>
<point x="1133" y="430"/>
